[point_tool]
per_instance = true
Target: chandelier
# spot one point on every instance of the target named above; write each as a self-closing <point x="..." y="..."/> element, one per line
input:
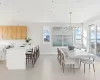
<point x="70" y="20"/>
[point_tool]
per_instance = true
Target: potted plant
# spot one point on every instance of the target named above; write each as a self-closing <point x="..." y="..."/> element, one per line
<point x="28" y="40"/>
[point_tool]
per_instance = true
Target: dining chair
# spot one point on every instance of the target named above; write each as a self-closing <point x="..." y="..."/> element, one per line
<point x="35" y="54"/>
<point x="82" y="49"/>
<point x="59" y="56"/>
<point x="89" y="61"/>
<point x="66" y="61"/>
<point x="30" y="56"/>
<point x="38" y="51"/>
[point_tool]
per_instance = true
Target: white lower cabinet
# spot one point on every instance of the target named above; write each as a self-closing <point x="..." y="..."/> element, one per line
<point x="2" y="54"/>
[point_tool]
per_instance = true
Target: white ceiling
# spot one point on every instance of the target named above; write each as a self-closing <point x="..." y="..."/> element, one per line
<point x="48" y="11"/>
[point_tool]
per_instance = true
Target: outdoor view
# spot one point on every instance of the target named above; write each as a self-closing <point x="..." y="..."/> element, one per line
<point x="62" y="36"/>
<point x="95" y="40"/>
<point x="77" y="35"/>
<point x="46" y="34"/>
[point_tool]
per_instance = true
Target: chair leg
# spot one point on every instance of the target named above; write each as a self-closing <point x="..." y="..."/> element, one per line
<point x="57" y="56"/>
<point x="60" y="61"/>
<point x="84" y="68"/>
<point x="26" y="61"/>
<point x="93" y="67"/>
<point x="89" y="66"/>
<point x="32" y="62"/>
<point x="63" y="66"/>
<point x="80" y="64"/>
<point x="73" y="69"/>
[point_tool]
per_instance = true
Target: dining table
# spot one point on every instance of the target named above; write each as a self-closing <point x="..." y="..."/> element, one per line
<point x="77" y="54"/>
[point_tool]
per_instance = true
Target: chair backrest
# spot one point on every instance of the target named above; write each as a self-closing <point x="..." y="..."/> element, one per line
<point x="64" y="53"/>
<point x="92" y="58"/>
<point x="82" y="49"/>
<point x="58" y="50"/>
<point x="34" y="50"/>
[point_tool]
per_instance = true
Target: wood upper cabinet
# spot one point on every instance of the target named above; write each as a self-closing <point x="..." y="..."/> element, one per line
<point x="5" y="31"/>
<point x="24" y="32"/>
<point x="13" y="32"/>
<point x="1" y="32"/>
<point x="18" y="32"/>
<point x="9" y="33"/>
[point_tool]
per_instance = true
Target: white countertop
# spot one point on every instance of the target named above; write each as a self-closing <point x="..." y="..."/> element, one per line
<point x="20" y="48"/>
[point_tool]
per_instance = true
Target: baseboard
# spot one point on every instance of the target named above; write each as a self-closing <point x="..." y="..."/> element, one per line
<point x="48" y="53"/>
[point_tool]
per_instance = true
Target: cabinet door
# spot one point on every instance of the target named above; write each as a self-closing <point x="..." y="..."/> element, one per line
<point x="18" y="32"/>
<point x="1" y="32"/>
<point x="5" y="31"/>
<point x="9" y="33"/>
<point x="24" y="33"/>
<point x="14" y="32"/>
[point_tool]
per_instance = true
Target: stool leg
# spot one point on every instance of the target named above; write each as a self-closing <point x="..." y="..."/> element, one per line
<point x="32" y="62"/>
<point x="26" y="61"/>
<point x="73" y="69"/>
<point x="84" y="68"/>
<point x="89" y="66"/>
<point x="93" y="68"/>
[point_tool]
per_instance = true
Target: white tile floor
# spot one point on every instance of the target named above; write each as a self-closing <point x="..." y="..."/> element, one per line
<point x="48" y="68"/>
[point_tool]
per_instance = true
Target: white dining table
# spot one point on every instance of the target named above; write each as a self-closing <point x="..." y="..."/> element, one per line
<point x="77" y="54"/>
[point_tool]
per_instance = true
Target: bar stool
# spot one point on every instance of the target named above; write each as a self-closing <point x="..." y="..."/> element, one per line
<point x="30" y="56"/>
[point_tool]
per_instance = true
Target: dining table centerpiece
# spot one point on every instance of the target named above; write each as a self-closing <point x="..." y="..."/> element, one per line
<point x="71" y="47"/>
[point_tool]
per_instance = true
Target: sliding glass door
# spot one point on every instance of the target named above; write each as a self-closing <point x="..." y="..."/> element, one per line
<point x="98" y="40"/>
<point x="95" y="39"/>
<point x="92" y="39"/>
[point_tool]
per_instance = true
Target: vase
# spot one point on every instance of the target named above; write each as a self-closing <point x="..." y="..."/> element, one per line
<point x="70" y="47"/>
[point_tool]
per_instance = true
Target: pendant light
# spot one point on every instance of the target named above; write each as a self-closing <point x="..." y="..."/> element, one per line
<point x="70" y="20"/>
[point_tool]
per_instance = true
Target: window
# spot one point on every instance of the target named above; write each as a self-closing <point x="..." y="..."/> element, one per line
<point x="62" y="36"/>
<point x="46" y="34"/>
<point x="78" y="35"/>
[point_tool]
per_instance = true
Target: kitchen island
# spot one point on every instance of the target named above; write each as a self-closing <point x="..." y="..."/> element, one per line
<point x="16" y="58"/>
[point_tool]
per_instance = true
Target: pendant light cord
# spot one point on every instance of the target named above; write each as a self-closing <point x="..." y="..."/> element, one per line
<point x="70" y="19"/>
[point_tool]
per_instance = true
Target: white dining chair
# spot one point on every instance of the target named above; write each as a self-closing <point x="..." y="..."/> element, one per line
<point x="82" y="49"/>
<point x="89" y="61"/>
<point x="66" y="61"/>
<point x="59" y="55"/>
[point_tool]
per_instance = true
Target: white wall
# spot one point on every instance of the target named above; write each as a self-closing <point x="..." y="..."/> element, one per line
<point x="35" y="31"/>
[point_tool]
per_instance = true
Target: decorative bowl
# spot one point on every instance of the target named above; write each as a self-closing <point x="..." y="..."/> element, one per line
<point x="71" y="47"/>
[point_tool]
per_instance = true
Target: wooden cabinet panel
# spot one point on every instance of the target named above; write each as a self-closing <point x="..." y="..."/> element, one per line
<point x="5" y="31"/>
<point x="1" y="32"/>
<point x="9" y="33"/>
<point x="14" y="32"/>
<point x="24" y="32"/>
<point x="18" y="33"/>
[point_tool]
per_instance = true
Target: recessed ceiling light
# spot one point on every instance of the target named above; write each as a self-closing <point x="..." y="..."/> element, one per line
<point x="78" y="1"/>
<point x="18" y="11"/>
<point x="52" y="1"/>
